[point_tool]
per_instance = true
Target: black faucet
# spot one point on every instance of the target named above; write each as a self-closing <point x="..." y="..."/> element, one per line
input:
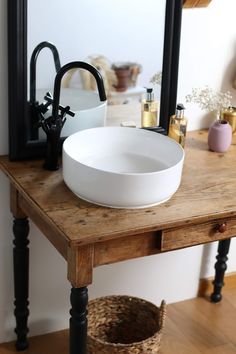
<point x="35" y="108"/>
<point x="53" y="125"/>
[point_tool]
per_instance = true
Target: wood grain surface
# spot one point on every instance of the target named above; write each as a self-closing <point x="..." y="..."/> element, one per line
<point x="206" y="286"/>
<point x="192" y="327"/>
<point x="195" y="3"/>
<point x="207" y="192"/>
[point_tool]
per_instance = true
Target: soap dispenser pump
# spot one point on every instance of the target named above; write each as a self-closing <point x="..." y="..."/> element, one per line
<point x="149" y="110"/>
<point x="178" y="125"/>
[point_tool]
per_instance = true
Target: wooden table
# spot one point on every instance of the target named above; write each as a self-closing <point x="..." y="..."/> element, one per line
<point x="87" y="236"/>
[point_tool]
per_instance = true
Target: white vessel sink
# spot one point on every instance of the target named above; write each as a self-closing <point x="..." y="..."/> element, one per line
<point x="89" y="111"/>
<point x="122" y="167"/>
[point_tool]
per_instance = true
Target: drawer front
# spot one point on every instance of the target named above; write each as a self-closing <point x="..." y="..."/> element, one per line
<point x="198" y="234"/>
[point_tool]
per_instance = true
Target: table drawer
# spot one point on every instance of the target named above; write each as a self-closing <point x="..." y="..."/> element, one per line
<point x="198" y="234"/>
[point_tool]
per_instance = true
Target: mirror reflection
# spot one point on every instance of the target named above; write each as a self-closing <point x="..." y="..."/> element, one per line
<point x="123" y="40"/>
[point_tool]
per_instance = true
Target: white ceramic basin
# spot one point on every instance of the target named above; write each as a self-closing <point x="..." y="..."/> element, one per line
<point x="122" y="167"/>
<point x="89" y="111"/>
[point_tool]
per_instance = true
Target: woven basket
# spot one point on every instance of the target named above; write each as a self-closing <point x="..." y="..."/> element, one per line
<point x="124" y="325"/>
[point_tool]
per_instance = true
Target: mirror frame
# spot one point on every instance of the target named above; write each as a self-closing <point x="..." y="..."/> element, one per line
<point x="20" y="145"/>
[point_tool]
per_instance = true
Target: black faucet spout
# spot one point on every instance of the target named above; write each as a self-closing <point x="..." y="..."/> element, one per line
<point x="76" y="65"/>
<point x="33" y="62"/>
<point x="36" y="109"/>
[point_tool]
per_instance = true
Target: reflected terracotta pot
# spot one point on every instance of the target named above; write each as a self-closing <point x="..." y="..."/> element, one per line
<point x="127" y="74"/>
<point x="123" y="77"/>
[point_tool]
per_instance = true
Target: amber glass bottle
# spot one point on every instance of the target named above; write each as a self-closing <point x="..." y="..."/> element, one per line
<point x="149" y="110"/>
<point x="178" y="125"/>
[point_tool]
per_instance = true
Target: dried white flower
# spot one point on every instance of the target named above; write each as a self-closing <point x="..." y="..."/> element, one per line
<point x="156" y="78"/>
<point x="210" y="100"/>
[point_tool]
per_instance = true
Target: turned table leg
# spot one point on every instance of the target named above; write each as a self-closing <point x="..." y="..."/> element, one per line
<point x="21" y="280"/>
<point x="220" y="268"/>
<point x="78" y="320"/>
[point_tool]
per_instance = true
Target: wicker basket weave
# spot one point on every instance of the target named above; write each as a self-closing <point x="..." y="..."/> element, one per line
<point x="124" y="325"/>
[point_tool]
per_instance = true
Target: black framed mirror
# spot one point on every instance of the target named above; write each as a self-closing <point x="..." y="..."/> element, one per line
<point x="21" y="144"/>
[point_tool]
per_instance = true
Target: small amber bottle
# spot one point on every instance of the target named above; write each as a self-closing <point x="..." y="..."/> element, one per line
<point x="149" y="110"/>
<point x="178" y="125"/>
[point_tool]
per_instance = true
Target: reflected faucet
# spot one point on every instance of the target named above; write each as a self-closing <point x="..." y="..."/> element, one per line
<point x="53" y="125"/>
<point x="35" y="108"/>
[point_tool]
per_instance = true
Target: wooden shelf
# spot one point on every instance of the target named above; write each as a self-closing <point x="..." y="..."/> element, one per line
<point x="195" y="3"/>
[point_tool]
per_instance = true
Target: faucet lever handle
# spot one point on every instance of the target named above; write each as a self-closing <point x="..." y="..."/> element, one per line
<point x="64" y="110"/>
<point x="43" y="107"/>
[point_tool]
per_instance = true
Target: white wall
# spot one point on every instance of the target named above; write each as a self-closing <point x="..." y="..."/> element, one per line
<point x="93" y="27"/>
<point x="207" y="55"/>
